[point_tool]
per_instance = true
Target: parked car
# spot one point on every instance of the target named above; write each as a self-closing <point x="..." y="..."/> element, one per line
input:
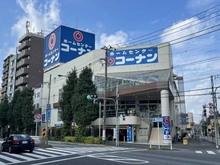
<point x="18" y="142"/>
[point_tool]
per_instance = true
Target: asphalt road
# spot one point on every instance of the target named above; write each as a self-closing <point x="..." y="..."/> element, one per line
<point x="197" y="152"/>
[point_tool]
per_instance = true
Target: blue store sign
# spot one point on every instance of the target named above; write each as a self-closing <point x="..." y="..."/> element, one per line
<point x="133" y="56"/>
<point x="166" y="128"/>
<point x="129" y="133"/>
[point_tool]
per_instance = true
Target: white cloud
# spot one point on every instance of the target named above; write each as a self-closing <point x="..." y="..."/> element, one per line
<point x="178" y="31"/>
<point x="106" y="40"/>
<point x="41" y="17"/>
<point x="195" y="5"/>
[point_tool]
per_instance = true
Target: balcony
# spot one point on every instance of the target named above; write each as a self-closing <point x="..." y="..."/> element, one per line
<point x="21" y="80"/>
<point x="4" y="89"/>
<point x="5" y="76"/>
<point x="22" y="71"/>
<point x="24" y="54"/>
<point x="24" y="45"/>
<point x="6" y="63"/>
<point x="5" y="82"/>
<point x="23" y="62"/>
<point x="5" y="69"/>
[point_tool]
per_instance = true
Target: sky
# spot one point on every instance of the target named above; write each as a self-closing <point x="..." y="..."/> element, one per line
<point x="192" y="29"/>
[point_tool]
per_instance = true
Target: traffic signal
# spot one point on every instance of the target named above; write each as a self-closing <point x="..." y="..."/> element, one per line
<point x="123" y="117"/>
<point x="213" y="124"/>
<point x="204" y="110"/>
<point x="43" y="133"/>
<point x="93" y="97"/>
<point x="192" y="123"/>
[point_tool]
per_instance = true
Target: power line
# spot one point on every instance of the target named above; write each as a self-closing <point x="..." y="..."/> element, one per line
<point x="170" y="30"/>
<point x="168" y="26"/>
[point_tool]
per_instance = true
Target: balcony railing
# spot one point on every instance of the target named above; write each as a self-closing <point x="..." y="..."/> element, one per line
<point x="22" y="71"/>
<point x="21" y="80"/>
<point x="24" y="44"/>
<point x="4" y="76"/>
<point x="5" y="70"/>
<point x="24" y="53"/>
<point x="23" y="62"/>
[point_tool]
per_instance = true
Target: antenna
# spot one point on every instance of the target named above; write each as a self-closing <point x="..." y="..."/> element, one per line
<point x="27" y="26"/>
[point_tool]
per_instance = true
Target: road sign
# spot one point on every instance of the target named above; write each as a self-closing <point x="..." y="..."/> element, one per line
<point x="48" y="115"/>
<point x="38" y="116"/>
<point x="155" y="120"/>
<point x="210" y="105"/>
<point x="211" y="112"/>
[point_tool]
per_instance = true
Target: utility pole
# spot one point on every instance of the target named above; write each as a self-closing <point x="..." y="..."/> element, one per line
<point x="100" y="107"/>
<point x="117" y="124"/>
<point x="215" y="111"/>
<point x="105" y="91"/>
<point x="48" y="108"/>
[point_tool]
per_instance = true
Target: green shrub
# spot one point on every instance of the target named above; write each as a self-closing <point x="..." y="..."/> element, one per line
<point x="88" y="140"/>
<point x="70" y="139"/>
<point x="98" y="140"/>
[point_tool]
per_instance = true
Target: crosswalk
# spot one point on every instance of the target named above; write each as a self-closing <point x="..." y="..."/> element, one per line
<point x="215" y="152"/>
<point x="39" y="153"/>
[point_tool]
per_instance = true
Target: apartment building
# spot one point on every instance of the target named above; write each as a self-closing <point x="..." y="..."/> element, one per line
<point x="5" y="75"/>
<point x="11" y="78"/>
<point x="25" y="68"/>
<point x="30" y="60"/>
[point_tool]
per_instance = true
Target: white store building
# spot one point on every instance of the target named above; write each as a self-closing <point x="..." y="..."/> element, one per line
<point x="146" y="91"/>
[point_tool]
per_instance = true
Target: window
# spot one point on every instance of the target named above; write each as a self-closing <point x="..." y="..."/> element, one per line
<point x="60" y="94"/>
<point x="12" y="63"/>
<point x="37" y="105"/>
<point x="58" y="115"/>
<point x="10" y="88"/>
<point x="38" y="94"/>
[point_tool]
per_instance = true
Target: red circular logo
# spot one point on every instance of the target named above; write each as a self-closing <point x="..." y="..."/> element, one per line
<point x="110" y="61"/>
<point x="52" y="41"/>
<point x="78" y="36"/>
<point x="166" y="120"/>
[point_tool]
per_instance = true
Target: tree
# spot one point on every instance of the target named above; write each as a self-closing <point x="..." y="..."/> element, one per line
<point x="16" y="107"/>
<point x="27" y="108"/>
<point x="22" y="106"/>
<point x="4" y="107"/>
<point x="84" y="110"/>
<point x="67" y="112"/>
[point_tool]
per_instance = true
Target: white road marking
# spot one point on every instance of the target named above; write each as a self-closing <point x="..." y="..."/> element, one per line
<point x="10" y="159"/>
<point x="20" y="156"/>
<point x="60" y="160"/>
<point x="35" y="155"/>
<point x="199" y="152"/>
<point x="53" y="152"/>
<point x="211" y="152"/>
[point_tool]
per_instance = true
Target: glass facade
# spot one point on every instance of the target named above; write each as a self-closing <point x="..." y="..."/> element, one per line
<point x="146" y="108"/>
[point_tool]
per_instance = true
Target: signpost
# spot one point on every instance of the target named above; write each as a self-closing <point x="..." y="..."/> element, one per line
<point x="37" y="119"/>
<point x="157" y="120"/>
<point x="166" y="128"/>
